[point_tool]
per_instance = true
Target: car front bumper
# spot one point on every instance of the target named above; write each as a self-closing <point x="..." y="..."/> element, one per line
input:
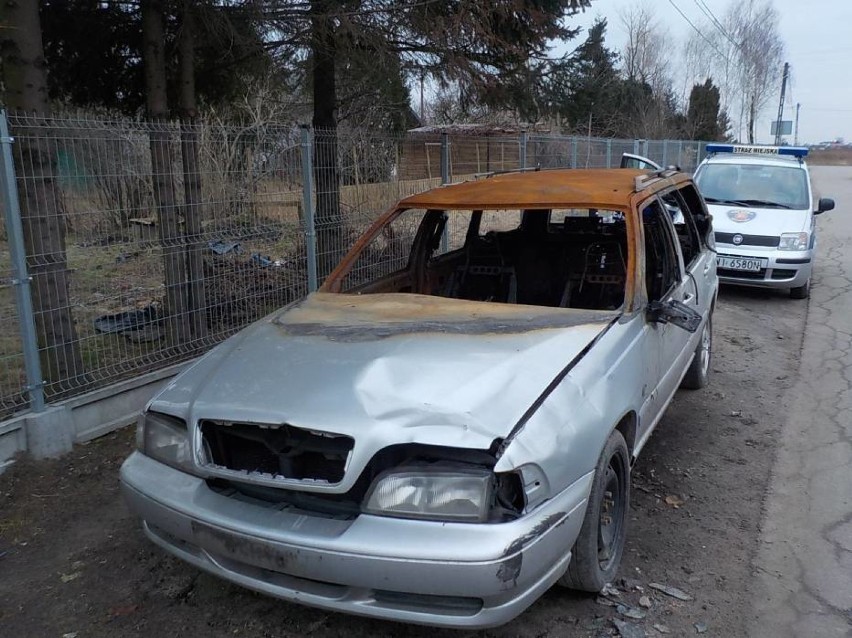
<point x="433" y="573"/>
<point x="784" y="269"/>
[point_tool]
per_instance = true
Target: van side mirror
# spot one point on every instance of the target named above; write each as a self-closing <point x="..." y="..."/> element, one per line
<point x="825" y="204"/>
<point x="674" y="312"/>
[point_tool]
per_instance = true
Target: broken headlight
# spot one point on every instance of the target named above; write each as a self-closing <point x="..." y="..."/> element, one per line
<point x="165" y="439"/>
<point x="439" y="495"/>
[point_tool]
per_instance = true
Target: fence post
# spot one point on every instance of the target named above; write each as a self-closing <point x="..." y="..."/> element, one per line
<point x="522" y="149"/>
<point x="20" y="277"/>
<point x="609" y="153"/>
<point x="636" y="147"/>
<point x="445" y="179"/>
<point x="665" y="153"/>
<point x="308" y="207"/>
<point x="445" y="158"/>
<point x="573" y="152"/>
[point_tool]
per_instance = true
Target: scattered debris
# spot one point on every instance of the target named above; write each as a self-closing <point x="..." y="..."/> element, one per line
<point x="630" y="612"/>
<point x="645" y="602"/>
<point x="629" y="584"/>
<point x="141" y="325"/>
<point x="628" y="630"/>
<point x="265" y="261"/>
<point x="606" y="602"/>
<point x="123" y="257"/>
<point x="222" y="247"/>
<point x="736" y="413"/>
<point x="700" y="627"/>
<point x="610" y="590"/>
<point x="123" y="610"/>
<point x="674" y="500"/>
<point x="668" y="590"/>
<point x="70" y="634"/>
<point x="662" y="629"/>
<point x="67" y="578"/>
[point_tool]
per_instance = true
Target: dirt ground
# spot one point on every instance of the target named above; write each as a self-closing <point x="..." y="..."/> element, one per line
<point x="74" y="563"/>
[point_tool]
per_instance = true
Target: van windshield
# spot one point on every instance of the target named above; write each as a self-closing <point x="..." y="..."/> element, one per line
<point x="754" y="185"/>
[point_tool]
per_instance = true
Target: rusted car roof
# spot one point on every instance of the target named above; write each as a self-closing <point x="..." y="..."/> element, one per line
<point x="603" y="188"/>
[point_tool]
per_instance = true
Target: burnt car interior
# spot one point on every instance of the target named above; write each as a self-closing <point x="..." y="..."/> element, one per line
<point x="563" y="259"/>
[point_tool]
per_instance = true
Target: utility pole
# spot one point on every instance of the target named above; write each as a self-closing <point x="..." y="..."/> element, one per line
<point x="781" y="103"/>
<point x="796" y="138"/>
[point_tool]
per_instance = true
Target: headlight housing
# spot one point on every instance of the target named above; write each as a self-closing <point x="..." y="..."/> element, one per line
<point x="165" y="439"/>
<point x="794" y="241"/>
<point x="459" y="495"/>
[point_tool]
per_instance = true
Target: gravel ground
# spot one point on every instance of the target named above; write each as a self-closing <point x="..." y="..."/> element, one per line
<point x="74" y="563"/>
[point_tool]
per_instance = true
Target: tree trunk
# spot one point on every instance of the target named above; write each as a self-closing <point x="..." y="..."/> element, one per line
<point x="171" y="237"/>
<point x="193" y="211"/>
<point x="329" y="222"/>
<point x="751" y="116"/>
<point x="42" y="214"/>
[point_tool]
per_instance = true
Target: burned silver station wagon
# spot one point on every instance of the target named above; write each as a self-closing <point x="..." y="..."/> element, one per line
<point x="446" y="429"/>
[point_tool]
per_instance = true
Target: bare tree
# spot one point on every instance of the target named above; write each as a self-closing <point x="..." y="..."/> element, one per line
<point x="742" y="52"/>
<point x="647" y="52"/>
<point x="42" y="215"/>
<point x="753" y="25"/>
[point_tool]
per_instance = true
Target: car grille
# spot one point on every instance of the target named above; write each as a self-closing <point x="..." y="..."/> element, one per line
<point x="277" y="450"/>
<point x="748" y="240"/>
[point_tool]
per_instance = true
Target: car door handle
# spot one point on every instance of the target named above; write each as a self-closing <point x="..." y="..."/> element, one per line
<point x="688" y="297"/>
<point x="706" y="268"/>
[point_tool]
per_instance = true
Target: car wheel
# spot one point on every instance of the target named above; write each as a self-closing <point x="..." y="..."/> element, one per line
<point x="597" y="552"/>
<point x="698" y="373"/>
<point x="801" y="292"/>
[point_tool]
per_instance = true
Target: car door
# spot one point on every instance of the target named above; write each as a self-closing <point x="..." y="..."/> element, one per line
<point x="629" y="160"/>
<point x="667" y="344"/>
<point x="695" y="236"/>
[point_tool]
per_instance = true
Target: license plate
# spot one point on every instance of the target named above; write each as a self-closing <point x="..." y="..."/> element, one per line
<point x="750" y="264"/>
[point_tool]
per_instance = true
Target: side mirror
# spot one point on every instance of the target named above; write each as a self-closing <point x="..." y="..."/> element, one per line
<point x="825" y="204"/>
<point x="675" y="313"/>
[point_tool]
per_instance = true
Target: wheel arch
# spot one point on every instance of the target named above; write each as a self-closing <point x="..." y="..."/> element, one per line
<point x="629" y="426"/>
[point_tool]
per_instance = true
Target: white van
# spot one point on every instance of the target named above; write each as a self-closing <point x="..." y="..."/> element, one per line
<point x="763" y="215"/>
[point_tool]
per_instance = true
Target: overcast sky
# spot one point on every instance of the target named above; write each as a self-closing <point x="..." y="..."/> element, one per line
<point x="817" y="35"/>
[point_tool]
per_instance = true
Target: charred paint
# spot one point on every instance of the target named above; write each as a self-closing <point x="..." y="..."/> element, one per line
<point x="362" y="318"/>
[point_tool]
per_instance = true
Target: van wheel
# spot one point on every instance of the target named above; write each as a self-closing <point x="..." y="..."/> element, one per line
<point x="801" y="292"/>
<point x="698" y="373"/>
<point x="597" y="552"/>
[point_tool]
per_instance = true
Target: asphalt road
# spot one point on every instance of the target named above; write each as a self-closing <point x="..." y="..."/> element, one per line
<point x="764" y="447"/>
<point x="804" y="564"/>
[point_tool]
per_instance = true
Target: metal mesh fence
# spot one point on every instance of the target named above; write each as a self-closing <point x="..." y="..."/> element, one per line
<point x="147" y="243"/>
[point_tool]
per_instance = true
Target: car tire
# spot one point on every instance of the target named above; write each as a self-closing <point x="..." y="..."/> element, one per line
<point x="597" y="552"/>
<point x="698" y="373"/>
<point x="801" y="292"/>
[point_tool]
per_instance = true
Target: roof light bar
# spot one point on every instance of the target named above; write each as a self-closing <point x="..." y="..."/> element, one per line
<point x="745" y="149"/>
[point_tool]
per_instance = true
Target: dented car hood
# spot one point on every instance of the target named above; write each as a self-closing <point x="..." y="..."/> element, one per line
<point x="387" y="368"/>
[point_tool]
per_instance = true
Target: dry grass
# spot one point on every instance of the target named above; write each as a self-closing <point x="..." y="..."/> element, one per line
<point x="830" y="157"/>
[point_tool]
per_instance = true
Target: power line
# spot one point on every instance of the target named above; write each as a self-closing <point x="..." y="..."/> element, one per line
<point x="697" y="30"/>
<point x="716" y="22"/>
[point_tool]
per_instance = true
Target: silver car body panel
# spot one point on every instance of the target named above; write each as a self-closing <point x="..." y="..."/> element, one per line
<point x="365" y="386"/>
<point x="451" y="574"/>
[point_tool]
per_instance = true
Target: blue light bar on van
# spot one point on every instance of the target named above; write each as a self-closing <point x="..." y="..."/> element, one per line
<point x="746" y="149"/>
